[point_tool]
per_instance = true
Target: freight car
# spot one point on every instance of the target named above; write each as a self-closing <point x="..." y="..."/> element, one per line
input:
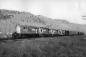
<point x="24" y="31"/>
<point x="73" y="33"/>
<point x="32" y="31"/>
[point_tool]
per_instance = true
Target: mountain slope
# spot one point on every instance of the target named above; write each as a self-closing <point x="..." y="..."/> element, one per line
<point x="9" y="19"/>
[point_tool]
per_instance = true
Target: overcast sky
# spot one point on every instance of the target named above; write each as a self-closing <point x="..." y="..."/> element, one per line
<point x="71" y="10"/>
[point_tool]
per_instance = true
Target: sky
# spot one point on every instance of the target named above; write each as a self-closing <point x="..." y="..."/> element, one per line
<point x="70" y="10"/>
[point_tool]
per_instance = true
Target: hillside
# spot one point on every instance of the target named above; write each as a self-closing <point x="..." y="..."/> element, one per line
<point x="9" y="19"/>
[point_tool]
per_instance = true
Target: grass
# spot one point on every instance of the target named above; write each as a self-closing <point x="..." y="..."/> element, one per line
<point x="67" y="46"/>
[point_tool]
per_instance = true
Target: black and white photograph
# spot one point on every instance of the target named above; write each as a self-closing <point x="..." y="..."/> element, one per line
<point x="42" y="28"/>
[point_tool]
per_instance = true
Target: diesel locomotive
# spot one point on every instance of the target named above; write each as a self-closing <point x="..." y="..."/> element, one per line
<point x="32" y="31"/>
<point x="24" y="31"/>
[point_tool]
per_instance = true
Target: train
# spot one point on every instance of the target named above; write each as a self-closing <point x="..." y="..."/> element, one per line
<point x="24" y="31"/>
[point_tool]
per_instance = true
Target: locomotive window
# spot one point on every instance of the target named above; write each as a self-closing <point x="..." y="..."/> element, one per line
<point x="24" y="27"/>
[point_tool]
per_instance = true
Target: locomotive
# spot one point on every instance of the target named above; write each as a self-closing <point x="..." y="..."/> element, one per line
<point x="32" y="31"/>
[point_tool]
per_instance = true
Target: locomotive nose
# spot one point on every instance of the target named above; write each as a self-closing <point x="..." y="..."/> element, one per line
<point x="15" y="35"/>
<point x="18" y="29"/>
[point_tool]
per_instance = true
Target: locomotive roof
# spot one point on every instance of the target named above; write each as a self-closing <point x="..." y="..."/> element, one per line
<point x="43" y="27"/>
